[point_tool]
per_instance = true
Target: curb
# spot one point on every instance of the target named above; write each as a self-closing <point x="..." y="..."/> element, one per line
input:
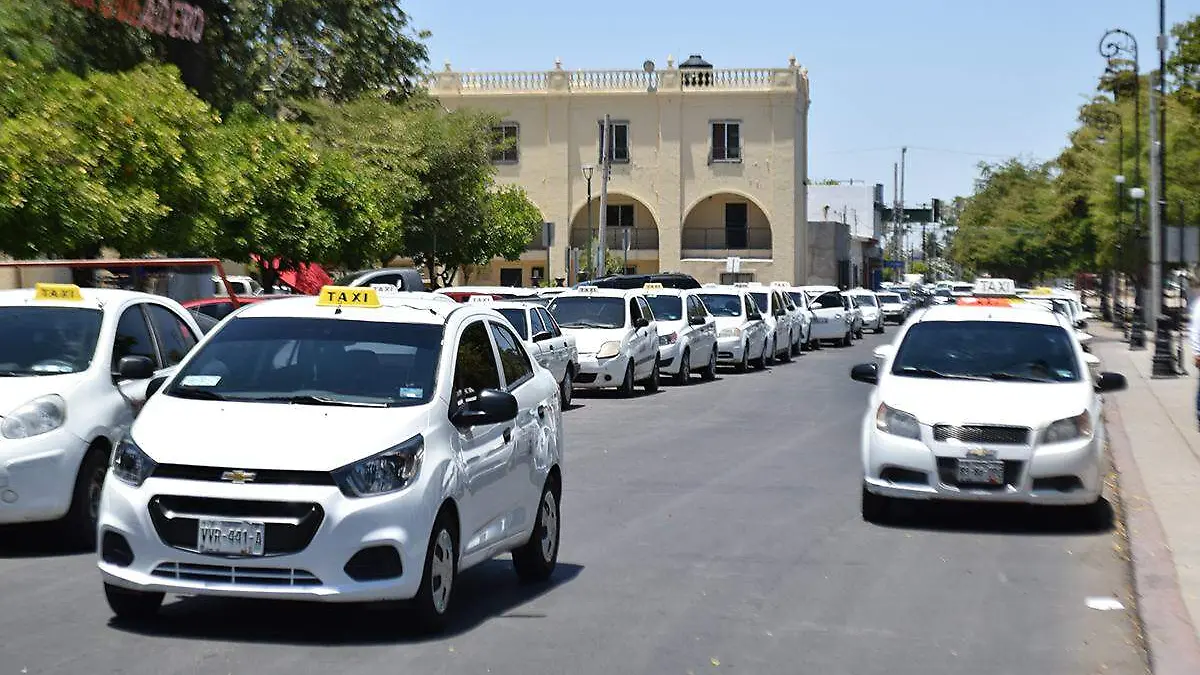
<point x="1172" y="647"/>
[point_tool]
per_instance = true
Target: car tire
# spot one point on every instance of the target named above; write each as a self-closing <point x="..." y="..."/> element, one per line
<point x="129" y="605"/>
<point x="566" y="388"/>
<point x="626" y="388"/>
<point x="814" y="345"/>
<point x="797" y="346"/>
<point x="769" y="352"/>
<point x="535" y="561"/>
<point x="879" y="329"/>
<point x="848" y="339"/>
<point x="435" y="594"/>
<point x="761" y="362"/>
<point x="685" y="369"/>
<point x="651" y="383"/>
<point x="744" y="365"/>
<point x="81" y="522"/>
<point x="787" y="352"/>
<point x="858" y="334"/>
<point x="710" y="372"/>
<point x="875" y="508"/>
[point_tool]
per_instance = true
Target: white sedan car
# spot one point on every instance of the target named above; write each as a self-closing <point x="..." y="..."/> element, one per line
<point x="872" y="313"/>
<point x="616" y="335"/>
<point x="687" y="333"/>
<point x="360" y="450"/>
<point x="551" y="348"/>
<point x="981" y="403"/>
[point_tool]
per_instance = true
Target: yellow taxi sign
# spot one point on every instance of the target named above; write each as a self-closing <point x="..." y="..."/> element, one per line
<point x="68" y="292"/>
<point x="348" y="296"/>
<point x="652" y="287"/>
<point x="588" y="289"/>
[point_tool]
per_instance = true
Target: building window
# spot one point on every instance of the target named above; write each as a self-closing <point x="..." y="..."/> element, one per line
<point x="632" y="269"/>
<point x="619" y="215"/>
<point x="510" y="276"/>
<point x="506" y="148"/>
<point x="618" y="142"/>
<point x="727" y="141"/>
<point x="736" y="226"/>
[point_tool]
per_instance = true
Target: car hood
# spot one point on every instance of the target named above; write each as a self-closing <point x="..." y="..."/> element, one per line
<point x="588" y="340"/>
<point x="1026" y="404"/>
<point x="17" y="391"/>
<point x="269" y="435"/>
<point x="893" y="305"/>
<point x="668" y="327"/>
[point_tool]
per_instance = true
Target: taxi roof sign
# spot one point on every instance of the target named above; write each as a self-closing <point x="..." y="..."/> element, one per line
<point x="995" y="287"/>
<point x="480" y="299"/>
<point x="67" y="292"/>
<point x="652" y="287"/>
<point x="780" y="284"/>
<point x="588" y="289"/>
<point x="387" y="289"/>
<point x="348" y="296"/>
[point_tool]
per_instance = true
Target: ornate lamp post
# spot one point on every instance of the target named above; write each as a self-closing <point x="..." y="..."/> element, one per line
<point x="1118" y="44"/>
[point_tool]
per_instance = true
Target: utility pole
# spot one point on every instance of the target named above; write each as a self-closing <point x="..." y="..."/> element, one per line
<point x="903" y="225"/>
<point x="1163" y="363"/>
<point x="605" y="166"/>
<point x="896" y="214"/>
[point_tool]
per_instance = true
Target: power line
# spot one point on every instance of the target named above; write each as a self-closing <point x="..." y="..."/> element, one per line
<point x="894" y="148"/>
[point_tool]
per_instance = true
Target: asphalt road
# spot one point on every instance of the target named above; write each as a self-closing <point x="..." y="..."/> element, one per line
<point x="712" y="528"/>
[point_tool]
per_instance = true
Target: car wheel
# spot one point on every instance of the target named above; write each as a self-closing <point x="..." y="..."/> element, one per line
<point x="566" y="388"/>
<point x="879" y="328"/>
<point x="651" y="384"/>
<point x="761" y="362"/>
<point x="710" y="372"/>
<point x="685" y="369"/>
<point x="744" y="365"/>
<point x="797" y="346"/>
<point x="81" y="520"/>
<point x="875" y="508"/>
<point x="535" y="561"/>
<point x="858" y="334"/>
<point x="132" y="605"/>
<point x="432" y="602"/>
<point x="626" y="387"/>
<point x="787" y="352"/>
<point x="848" y="339"/>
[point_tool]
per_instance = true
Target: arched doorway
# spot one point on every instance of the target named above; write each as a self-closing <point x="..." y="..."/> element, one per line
<point x="631" y="232"/>
<point x="726" y="224"/>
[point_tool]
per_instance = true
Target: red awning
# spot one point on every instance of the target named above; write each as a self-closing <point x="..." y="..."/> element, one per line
<point x="308" y="279"/>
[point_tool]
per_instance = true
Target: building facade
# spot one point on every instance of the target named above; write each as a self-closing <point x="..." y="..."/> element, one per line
<point x="708" y="164"/>
<point x="858" y="209"/>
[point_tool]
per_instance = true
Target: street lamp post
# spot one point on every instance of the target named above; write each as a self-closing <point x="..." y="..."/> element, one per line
<point x="587" y="176"/>
<point x="1112" y="119"/>
<point x="1118" y="43"/>
<point x="1164" y="354"/>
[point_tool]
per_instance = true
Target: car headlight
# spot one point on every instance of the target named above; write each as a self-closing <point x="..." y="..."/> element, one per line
<point x="730" y="332"/>
<point x="39" y="416"/>
<point x="130" y="464"/>
<point x="896" y="422"/>
<point x="668" y="339"/>
<point x="609" y="349"/>
<point x="1068" y="429"/>
<point x="391" y="470"/>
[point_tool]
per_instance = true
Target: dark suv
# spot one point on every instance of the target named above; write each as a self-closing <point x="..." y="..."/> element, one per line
<point x="631" y="281"/>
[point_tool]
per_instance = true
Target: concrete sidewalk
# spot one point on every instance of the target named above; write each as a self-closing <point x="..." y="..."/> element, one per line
<point x="1156" y="449"/>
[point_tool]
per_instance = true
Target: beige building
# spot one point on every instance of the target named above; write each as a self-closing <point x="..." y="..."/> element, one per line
<point x="708" y="164"/>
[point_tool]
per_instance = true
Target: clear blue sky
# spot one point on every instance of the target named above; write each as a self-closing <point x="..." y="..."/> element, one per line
<point x="957" y="81"/>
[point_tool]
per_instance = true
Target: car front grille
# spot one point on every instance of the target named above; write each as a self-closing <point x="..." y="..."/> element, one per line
<point x="235" y="575"/>
<point x="260" y="476"/>
<point x="288" y="526"/>
<point x="973" y="433"/>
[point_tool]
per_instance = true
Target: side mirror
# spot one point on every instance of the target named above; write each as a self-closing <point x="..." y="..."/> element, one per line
<point x="1110" y="382"/>
<point x="134" y="368"/>
<point x="542" y="336"/>
<point x="491" y="406"/>
<point x="641" y="322"/>
<point x="698" y="321"/>
<point x="865" y="372"/>
<point x="154" y="385"/>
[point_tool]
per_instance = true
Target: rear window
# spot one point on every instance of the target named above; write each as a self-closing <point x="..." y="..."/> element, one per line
<point x="864" y="299"/>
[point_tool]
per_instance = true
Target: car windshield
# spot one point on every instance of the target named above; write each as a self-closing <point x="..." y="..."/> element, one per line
<point x="889" y="298"/>
<point x="722" y="304"/>
<point x="943" y="292"/>
<point x="764" y="304"/>
<point x="666" y="307"/>
<point x="205" y="321"/>
<point x="517" y="318"/>
<point x="314" y="362"/>
<point x="864" y="299"/>
<point x="995" y="350"/>
<point x="47" y="340"/>
<point x="584" y="311"/>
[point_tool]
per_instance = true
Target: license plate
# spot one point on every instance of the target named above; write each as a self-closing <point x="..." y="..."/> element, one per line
<point x="231" y="537"/>
<point x="980" y="472"/>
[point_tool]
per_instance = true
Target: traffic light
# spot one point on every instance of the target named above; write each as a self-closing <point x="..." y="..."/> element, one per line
<point x="937" y="210"/>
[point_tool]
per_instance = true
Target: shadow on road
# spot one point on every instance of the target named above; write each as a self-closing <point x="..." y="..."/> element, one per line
<point x="486" y="592"/>
<point x="972" y="518"/>
<point x="36" y="540"/>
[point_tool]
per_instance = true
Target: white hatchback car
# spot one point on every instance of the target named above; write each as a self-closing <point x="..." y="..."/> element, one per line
<point x="616" y="335"/>
<point x="742" y="339"/>
<point x="872" y="313"/>
<point x="687" y="333"/>
<point x="551" y="348"/>
<point x="983" y="403"/>
<point x="74" y="367"/>
<point x="361" y="449"/>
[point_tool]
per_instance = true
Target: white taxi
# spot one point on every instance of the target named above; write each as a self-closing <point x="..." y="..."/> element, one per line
<point x="872" y="313"/>
<point x="832" y="322"/>
<point x="616" y="336"/>
<point x="551" y="348"/>
<point x="742" y="338"/>
<point x="983" y="403"/>
<point x="74" y="366"/>
<point x="363" y="448"/>
<point x="803" y="303"/>
<point x="687" y="333"/>
<point x="798" y="314"/>
<point x="775" y="315"/>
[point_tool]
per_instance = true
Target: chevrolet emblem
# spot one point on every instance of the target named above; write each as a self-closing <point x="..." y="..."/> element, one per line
<point x="239" y="476"/>
<point x="985" y="453"/>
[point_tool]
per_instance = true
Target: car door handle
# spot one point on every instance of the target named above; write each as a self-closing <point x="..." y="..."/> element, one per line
<point x="508" y="435"/>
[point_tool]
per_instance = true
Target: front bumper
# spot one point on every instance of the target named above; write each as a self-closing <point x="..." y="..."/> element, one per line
<point x="896" y="315"/>
<point x="731" y="349"/>
<point x="315" y="571"/>
<point x="1060" y="474"/>
<point x="668" y="358"/>
<point x="37" y="476"/>
<point x="600" y="373"/>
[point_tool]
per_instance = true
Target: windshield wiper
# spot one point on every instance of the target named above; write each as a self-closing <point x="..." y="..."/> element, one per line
<point x="1018" y="378"/>
<point x="585" y="324"/>
<point x="929" y="372"/>
<point x="198" y="394"/>
<point x="310" y="399"/>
